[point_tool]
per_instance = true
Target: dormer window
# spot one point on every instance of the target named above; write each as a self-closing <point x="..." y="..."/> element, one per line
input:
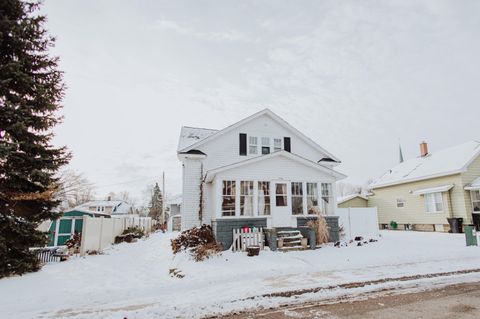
<point x="277" y="144"/>
<point x="253" y="144"/>
<point x="265" y="145"/>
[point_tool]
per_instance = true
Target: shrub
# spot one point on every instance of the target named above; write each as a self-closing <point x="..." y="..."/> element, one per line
<point x="75" y="241"/>
<point x="135" y="231"/>
<point x="199" y="241"/>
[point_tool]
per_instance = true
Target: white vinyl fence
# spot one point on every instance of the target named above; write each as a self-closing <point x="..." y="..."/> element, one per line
<point x="358" y="222"/>
<point x="99" y="232"/>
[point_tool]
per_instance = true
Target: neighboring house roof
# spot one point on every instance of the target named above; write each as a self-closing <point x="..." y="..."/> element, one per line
<point x="175" y="200"/>
<point x="211" y="173"/>
<point x="191" y="135"/>
<point x="346" y="198"/>
<point x="475" y="185"/>
<point x="207" y="136"/>
<point x="119" y="206"/>
<point x="449" y="161"/>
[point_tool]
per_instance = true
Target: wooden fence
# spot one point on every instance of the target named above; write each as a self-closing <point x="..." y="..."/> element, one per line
<point x="242" y="238"/>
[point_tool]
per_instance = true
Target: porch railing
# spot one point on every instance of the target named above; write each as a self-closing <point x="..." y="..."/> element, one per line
<point x="244" y="237"/>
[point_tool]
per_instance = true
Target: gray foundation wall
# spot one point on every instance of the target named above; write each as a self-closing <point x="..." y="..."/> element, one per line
<point x="223" y="228"/>
<point x="332" y="222"/>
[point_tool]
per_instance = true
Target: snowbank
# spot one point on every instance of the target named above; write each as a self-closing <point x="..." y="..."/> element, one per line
<point x="132" y="280"/>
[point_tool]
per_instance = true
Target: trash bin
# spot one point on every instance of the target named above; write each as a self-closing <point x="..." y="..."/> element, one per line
<point x="471" y="235"/>
<point x="455" y="225"/>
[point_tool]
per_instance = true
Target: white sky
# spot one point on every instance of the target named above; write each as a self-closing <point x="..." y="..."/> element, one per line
<point x="356" y="76"/>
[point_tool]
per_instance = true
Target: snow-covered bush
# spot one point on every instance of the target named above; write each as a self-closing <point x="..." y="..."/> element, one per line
<point x="199" y="241"/>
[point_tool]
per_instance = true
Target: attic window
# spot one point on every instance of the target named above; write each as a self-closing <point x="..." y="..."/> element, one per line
<point x="253" y="144"/>
<point x="277" y="144"/>
<point x="265" y="145"/>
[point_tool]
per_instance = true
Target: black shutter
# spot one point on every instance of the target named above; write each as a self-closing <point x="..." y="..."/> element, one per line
<point x="243" y="144"/>
<point x="286" y="144"/>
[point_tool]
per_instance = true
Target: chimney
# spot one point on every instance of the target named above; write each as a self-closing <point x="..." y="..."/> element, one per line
<point x="423" y="149"/>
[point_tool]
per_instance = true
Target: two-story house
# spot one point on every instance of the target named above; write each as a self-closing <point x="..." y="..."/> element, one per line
<point x="259" y="172"/>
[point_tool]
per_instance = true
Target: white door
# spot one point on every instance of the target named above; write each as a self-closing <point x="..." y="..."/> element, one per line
<point x="281" y="206"/>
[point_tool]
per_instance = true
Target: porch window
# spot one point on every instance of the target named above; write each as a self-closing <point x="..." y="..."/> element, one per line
<point x="277" y="144"/>
<point x="264" y="198"/>
<point x="228" y="198"/>
<point x="476" y="200"/>
<point x="327" y="198"/>
<point x="297" y="198"/>
<point x="433" y="203"/>
<point x="312" y="197"/>
<point x="253" y="144"/>
<point x="246" y="198"/>
<point x="281" y="194"/>
<point x="265" y="145"/>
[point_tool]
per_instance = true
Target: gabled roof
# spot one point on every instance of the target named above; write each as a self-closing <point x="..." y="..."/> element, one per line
<point x="214" y="134"/>
<point x="449" y="161"/>
<point x="119" y="206"/>
<point x="191" y="135"/>
<point x="211" y="173"/>
<point x="346" y="198"/>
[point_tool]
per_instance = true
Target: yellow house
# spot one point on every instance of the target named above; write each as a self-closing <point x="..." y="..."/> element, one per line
<point x="353" y="200"/>
<point x="423" y="192"/>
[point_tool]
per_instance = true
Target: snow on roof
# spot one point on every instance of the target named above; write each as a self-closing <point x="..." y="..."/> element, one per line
<point x="175" y="200"/>
<point x="430" y="190"/>
<point x="475" y="185"/>
<point x="191" y="135"/>
<point x="119" y="206"/>
<point x="346" y="198"/>
<point x="448" y="161"/>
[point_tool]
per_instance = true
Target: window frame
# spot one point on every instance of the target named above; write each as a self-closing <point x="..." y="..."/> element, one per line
<point x="401" y="201"/>
<point x="297" y="193"/>
<point x="232" y="189"/>
<point x="266" y="145"/>
<point x="247" y="185"/>
<point x="282" y="195"/>
<point x="326" y="195"/>
<point x="252" y="146"/>
<point x="314" y="195"/>
<point x="266" y="198"/>
<point x="277" y="148"/>
<point x="428" y="200"/>
<point x="472" y="192"/>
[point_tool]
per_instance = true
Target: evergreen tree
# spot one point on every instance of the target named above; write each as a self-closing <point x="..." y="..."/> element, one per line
<point x="31" y="90"/>
<point x="156" y="203"/>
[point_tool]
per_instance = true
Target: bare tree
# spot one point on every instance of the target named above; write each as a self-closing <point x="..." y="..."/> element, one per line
<point x="74" y="189"/>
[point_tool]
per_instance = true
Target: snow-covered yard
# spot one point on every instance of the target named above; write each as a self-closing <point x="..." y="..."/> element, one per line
<point x="133" y="281"/>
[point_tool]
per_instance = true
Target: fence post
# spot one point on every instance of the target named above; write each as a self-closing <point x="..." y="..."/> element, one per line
<point x="100" y="234"/>
<point x="84" y="235"/>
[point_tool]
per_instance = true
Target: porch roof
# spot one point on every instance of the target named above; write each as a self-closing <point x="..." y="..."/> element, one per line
<point x="436" y="189"/>
<point x="475" y="185"/>
<point x="210" y="175"/>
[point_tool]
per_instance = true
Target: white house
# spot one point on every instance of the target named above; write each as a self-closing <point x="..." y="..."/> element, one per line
<point x="260" y="171"/>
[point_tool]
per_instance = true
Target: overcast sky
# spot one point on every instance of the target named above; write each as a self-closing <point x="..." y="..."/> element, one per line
<point x="355" y="76"/>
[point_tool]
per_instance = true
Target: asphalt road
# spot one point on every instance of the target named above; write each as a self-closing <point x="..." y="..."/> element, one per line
<point x="460" y="301"/>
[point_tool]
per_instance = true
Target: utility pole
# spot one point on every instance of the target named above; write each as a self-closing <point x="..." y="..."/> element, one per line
<point x="164" y="198"/>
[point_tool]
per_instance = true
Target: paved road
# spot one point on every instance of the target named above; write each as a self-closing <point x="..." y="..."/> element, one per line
<point x="460" y="301"/>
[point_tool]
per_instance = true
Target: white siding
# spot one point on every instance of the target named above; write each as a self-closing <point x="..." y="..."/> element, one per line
<point x="224" y="150"/>
<point x="191" y="192"/>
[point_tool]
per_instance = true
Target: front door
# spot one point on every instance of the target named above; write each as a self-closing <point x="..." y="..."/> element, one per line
<point x="282" y="206"/>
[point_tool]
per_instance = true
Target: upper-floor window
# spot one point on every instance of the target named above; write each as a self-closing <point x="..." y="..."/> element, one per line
<point x="475" y="200"/>
<point x="253" y="144"/>
<point x="265" y="145"/>
<point x="228" y="198"/>
<point x="433" y="203"/>
<point x="277" y="144"/>
<point x="400" y="202"/>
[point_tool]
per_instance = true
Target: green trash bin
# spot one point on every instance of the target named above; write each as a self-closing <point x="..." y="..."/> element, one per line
<point x="470" y="235"/>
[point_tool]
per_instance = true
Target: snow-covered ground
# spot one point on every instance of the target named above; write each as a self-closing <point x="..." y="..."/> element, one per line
<point x="133" y="281"/>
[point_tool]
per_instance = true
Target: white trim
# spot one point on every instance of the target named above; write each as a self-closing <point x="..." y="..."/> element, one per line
<point x="252" y="117"/>
<point x="431" y="190"/>
<point x="210" y="175"/>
